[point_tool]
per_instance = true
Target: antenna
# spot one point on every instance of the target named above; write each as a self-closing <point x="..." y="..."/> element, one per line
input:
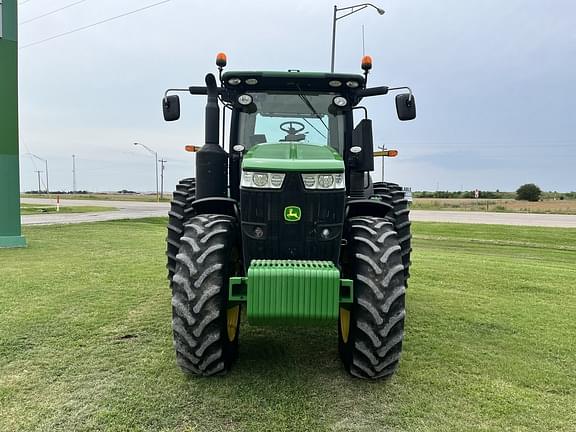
<point x="363" y="46"/>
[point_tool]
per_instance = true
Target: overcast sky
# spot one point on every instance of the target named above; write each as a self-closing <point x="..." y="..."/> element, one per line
<point x="495" y="84"/>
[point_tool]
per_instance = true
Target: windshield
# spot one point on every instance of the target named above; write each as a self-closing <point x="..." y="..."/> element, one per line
<point x="289" y="117"/>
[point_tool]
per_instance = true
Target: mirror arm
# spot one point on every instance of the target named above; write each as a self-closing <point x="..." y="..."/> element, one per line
<point x="194" y="90"/>
<point x="362" y="108"/>
<point x="373" y="91"/>
<point x="403" y="88"/>
<point x="174" y="90"/>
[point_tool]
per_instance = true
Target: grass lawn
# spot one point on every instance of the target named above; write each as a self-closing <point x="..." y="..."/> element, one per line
<point x="85" y="341"/>
<point x="31" y="209"/>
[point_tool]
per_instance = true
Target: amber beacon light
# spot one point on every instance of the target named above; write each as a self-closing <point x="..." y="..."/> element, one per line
<point x="221" y="60"/>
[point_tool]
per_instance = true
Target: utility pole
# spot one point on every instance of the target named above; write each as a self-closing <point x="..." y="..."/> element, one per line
<point x="47" y="187"/>
<point x="39" y="186"/>
<point x="383" y="148"/>
<point x="73" y="173"/>
<point x="46" y="166"/>
<point x="162" y="162"/>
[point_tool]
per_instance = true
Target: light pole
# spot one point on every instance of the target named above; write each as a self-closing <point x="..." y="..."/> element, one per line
<point x="162" y="162"/>
<point x="46" y="165"/>
<point x="351" y="9"/>
<point x="155" y="165"/>
<point x="73" y="173"/>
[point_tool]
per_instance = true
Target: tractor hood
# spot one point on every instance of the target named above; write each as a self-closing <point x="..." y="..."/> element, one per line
<point x="292" y="157"/>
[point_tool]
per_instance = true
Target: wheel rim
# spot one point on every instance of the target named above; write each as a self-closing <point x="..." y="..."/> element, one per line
<point x="232" y="316"/>
<point x="344" y="324"/>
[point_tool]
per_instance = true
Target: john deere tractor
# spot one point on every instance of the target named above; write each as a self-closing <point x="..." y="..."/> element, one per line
<point x="286" y="222"/>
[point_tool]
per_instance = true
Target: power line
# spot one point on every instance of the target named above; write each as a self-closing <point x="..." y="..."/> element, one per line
<point x="479" y="145"/>
<point x="93" y="25"/>
<point x="51" y="12"/>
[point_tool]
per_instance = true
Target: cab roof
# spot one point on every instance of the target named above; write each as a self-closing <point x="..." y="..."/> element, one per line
<point x="292" y="81"/>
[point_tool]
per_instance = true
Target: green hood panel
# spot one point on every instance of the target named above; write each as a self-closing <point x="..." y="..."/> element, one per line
<point x="289" y="157"/>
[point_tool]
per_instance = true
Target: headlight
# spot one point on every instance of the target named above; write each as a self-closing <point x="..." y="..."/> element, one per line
<point x="340" y="101"/>
<point x="262" y="180"/>
<point x="245" y="99"/>
<point x="323" y="181"/>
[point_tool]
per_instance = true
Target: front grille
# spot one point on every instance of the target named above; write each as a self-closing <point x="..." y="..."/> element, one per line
<point x="266" y="235"/>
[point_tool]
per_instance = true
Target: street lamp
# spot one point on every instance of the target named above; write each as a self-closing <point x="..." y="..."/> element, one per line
<point x="46" y="165"/>
<point x="155" y="164"/>
<point x="351" y="9"/>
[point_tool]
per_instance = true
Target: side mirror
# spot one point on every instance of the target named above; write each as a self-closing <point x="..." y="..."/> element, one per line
<point x="171" y="107"/>
<point x="405" y="107"/>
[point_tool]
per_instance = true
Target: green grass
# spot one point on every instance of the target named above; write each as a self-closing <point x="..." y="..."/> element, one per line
<point x="85" y="341"/>
<point x="30" y="209"/>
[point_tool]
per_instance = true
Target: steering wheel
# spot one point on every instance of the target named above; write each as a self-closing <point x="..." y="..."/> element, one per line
<point x="290" y="130"/>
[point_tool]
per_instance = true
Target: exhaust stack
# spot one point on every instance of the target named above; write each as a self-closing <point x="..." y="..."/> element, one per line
<point x="212" y="160"/>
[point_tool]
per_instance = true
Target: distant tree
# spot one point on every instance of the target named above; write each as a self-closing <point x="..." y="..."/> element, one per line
<point x="528" y="192"/>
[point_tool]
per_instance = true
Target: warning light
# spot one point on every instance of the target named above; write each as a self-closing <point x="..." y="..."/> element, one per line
<point x="366" y="63"/>
<point x="192" y="148"/>
<point x="386" y="153"/>
<point x="221" y="60"/>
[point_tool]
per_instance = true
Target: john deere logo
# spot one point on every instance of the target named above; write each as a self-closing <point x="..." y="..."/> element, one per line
<point x="292" y="214"/>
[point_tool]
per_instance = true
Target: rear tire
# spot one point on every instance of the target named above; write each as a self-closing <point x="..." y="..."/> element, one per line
<point x="205" y="326"/>
<point x="182" y="197"/>
<point x="392" y="194"/>
<point x="371" y="343"/>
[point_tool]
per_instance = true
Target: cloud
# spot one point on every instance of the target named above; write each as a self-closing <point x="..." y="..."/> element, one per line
<point x="493" y="81"/>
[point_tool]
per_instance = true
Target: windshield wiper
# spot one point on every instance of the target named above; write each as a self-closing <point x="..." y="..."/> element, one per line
<point x="314" y="127"/>
<point x="311" y="108"/>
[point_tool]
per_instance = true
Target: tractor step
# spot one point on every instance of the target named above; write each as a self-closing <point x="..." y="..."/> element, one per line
<point x="291" y="291"/>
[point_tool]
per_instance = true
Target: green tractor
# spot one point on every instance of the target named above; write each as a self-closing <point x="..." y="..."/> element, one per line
<point x="287" y="223"/>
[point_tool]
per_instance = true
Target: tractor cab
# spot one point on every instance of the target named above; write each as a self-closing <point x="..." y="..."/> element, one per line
<point x="286" y="222"/>
<point x="291" y="107"/>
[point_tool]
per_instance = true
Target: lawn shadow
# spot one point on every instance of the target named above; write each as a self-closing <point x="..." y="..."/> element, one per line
<point x="291" y="376"/>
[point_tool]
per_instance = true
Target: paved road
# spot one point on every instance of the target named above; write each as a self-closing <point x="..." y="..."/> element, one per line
<point x="136" y="210"/>
<point x="125" y="210"/>
<point x="525" y="219"/>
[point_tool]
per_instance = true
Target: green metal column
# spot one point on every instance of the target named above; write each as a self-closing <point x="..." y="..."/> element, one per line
<point x="10" y="229"/>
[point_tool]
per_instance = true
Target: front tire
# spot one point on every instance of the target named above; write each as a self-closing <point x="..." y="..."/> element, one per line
<point x="205" y="326"/>
<point x="371" y="331"/>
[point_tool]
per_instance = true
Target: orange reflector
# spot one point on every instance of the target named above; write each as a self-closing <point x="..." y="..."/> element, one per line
<point x="386" y="153"/>
<point x="221" y="60"/>
<point x="366" y="63"/>
<point x="192" y="148"/>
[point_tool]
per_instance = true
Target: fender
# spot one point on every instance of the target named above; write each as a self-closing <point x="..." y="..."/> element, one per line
<point x="368" y="207"/>
<point x="216" y="205"/>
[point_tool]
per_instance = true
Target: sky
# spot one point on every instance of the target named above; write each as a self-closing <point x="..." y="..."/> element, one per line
<point x="494" y="81"/>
